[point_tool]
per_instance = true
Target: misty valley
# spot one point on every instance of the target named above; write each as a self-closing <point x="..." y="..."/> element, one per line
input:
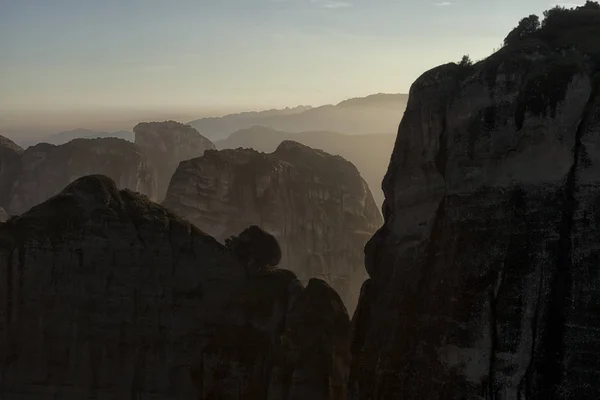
<point x="438" y="245"/>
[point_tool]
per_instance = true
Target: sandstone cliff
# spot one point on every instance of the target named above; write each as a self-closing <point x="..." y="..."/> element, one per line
<point x="46" y="169"/>
<point x="316" y="204"/>
<point x="108" y="295"/>
<point x="167" y="144"/>
<point x="484" y="277"/>
<point x="10" y="167"/>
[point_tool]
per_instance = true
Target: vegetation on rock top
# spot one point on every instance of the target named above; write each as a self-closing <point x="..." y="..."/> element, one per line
<point x="563" y="29"/>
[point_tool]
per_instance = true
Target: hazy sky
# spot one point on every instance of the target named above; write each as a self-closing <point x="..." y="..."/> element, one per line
<point x="73" y="56"/>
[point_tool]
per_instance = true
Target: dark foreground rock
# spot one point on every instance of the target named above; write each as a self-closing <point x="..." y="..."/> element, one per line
<point x="167" y="144"/>
<point x="107" y="295"/>
<point x="317" y="205"/>
<point x="45" y="169"/>
<point x="484" y="278"/>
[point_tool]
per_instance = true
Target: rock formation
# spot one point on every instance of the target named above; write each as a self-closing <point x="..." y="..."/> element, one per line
<point x="108" y="295"/>
<point x="167" y="144"/>
<point x="370" y="153"/>
<point x="10" y="167"/>
<point x="316" y="204"/>
<point x="484" y="277"/>
<point x="46" y="169"/>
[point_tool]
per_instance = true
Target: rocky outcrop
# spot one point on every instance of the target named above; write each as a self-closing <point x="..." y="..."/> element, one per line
<point x="46" y="169"/>
<point x="167" y="144"/>
<point x="316" y="205"/>
<point x="10" y="167"/>
<point x="484" y="277"/>
<point x="108" y="295"/>
<point x="370" y="153"/>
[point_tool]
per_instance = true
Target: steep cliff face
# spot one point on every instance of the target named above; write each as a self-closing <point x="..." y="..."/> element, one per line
<point x="167" y="144"/>
<point x="317" y="205"/>
<point x="484" y="281"/>
<point x="47" y="169"/>
<point x="108" y="295"/>
<point x="10" y="167"/>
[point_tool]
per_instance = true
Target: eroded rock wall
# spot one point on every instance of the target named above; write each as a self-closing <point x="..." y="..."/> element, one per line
<point x="317" y="205"/>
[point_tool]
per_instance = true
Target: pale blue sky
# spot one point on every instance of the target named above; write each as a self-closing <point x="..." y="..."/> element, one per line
<point x="81" y="55"/>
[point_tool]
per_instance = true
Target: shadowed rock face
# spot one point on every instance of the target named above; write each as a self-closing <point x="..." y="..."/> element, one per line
<point x="167" y="144"/>
<point x="10" y="167"/>
<point x="108" y="295"/>
<point x="47" y="169"/>
<point x="484" y="277"/>
<point x="3" y="215"/>
<point x="317" y="206"/>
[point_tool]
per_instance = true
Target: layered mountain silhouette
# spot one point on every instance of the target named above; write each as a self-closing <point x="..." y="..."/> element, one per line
<point x="377" y="113"/>
<point x="79" y="133"/>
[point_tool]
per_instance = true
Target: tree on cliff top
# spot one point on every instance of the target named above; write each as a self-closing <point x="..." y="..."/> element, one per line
<point x="590" y="5"/>
<point x="527" y="26"/>
<point x="576" y="28"/>
<point x="465" y="61"/>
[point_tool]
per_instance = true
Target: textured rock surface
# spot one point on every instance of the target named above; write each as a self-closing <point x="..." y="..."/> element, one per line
<point x="369" y="153"/>
<point x="167" y="144"/>
<point x="10" y="167"/>
<point x="484" y="277"/>
<point x="47" y="169"/>
<point x="3" y="215"/>
<point x="107" y="295"/>
<point x="316" y="204"/>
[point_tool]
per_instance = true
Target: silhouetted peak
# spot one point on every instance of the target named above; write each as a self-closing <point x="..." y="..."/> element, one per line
<point x="170" y="124"/>
<point x="7" y="143"/>
<point x="93" y="190"/>
<point x="291" y="145"/>
<point x="374" y="100"/>
<point x="307" y="157"/>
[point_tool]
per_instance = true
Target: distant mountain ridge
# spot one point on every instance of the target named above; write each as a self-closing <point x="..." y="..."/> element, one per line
<point x="78" y="133"/>
<point x="377" y="113"/>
